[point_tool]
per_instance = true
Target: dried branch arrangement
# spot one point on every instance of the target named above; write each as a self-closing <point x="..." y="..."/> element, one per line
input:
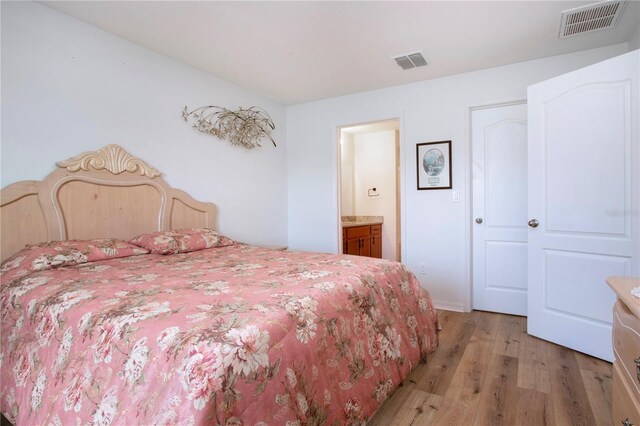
<point x="244" y="127"/>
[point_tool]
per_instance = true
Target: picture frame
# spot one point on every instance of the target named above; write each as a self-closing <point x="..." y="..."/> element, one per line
<point x="433" y="165"/>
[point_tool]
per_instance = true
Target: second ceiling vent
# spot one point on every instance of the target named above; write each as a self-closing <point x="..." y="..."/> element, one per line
<point x="592" y="17"/>
<point x="411" y="60"/>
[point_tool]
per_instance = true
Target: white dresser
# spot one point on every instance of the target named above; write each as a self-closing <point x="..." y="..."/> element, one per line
<point x="626" y="348"/>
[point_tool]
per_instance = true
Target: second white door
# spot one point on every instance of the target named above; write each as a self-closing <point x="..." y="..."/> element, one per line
<point x="499" y="150"/>
<point x="584" y="189"/>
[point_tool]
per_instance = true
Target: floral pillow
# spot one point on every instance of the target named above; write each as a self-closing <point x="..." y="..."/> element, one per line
<point x="198" y="239"/>
<point x="54" y="254"/>
<point x="110" y="248"/>
<point x="161" y="242"/>
<point x="181" y="241"/>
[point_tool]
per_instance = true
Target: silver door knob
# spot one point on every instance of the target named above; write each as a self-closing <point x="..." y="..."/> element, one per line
<point x="534" y="223"/>
<point x="478" y="220"/>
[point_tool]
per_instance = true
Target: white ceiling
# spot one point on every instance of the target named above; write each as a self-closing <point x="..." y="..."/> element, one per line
<point x="293" y="52"/>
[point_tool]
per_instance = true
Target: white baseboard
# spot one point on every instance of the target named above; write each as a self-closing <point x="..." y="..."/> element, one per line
<point x="447" y="306"/>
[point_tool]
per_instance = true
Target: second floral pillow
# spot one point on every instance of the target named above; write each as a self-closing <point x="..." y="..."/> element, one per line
<point x="181" y="241"/>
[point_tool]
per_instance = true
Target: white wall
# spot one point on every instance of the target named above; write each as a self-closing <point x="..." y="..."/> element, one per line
<point x="347" y="174"/>
<point x="375" y="167"/>
<point x="634" y="41"/>
<point x="436" y="231"/>
<point x="68" y="87"/>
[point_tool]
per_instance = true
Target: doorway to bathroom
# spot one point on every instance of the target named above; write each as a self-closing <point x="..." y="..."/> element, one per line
<point x="369" y="189"/>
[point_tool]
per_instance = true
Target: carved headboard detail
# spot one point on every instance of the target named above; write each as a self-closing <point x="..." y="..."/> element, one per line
<point x="98" y="194"/>
<point x="112" y="158"/>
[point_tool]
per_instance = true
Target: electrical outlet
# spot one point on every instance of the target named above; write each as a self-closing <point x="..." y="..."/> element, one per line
<point x="423" y="268"/>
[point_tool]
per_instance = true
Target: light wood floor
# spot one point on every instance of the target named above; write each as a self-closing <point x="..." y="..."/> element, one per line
<point x="488" y="371"/>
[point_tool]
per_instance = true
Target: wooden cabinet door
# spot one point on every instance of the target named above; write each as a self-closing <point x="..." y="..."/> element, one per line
<point x="344" y="241"/>
<point x="376" y="246"/>
<point x="353" y="246"/>
<point x="356" y="236"/>
<point x="376" y="241"/>
<point x="365" y="246"/>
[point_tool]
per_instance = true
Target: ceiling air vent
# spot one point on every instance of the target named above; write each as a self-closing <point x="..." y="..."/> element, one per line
<point x="410" y="60"/>
<point x="592" y="17"/>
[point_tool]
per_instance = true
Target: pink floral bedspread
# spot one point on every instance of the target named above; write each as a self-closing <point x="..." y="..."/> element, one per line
<point x="232" y="335"/>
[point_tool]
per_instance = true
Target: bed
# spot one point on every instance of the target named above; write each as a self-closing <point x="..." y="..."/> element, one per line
<point x="220" y="333"/>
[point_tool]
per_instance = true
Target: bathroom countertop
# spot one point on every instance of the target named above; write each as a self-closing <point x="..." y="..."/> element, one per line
<point x="350" y="221"/>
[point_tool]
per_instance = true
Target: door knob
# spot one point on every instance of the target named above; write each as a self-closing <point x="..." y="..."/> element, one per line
<point x="478" y="220"/>
<point x="534" y="223"/>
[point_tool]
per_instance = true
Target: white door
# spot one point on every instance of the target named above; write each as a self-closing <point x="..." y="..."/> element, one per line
<point x="499" y="150"/>
<point x="584" y="188"/>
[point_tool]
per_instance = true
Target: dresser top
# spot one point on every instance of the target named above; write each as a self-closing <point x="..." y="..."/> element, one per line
<point x="622" y="286"/>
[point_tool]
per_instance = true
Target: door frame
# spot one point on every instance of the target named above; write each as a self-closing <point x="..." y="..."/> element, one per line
<point x="400" y="182"/>
<point x="468" y="295"/>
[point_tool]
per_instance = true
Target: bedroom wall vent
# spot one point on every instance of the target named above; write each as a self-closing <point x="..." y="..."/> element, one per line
<point x="411" y="60"/>
<point x="592" y="17"/>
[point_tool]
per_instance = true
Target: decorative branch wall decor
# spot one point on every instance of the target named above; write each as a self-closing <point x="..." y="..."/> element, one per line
<point x="244" y="127"/>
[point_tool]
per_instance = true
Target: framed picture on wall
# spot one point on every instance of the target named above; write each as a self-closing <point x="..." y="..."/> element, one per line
<point x="434" y="165"/>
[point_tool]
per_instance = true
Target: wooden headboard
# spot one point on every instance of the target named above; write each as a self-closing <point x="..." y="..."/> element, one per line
<point x="103" y="194"/>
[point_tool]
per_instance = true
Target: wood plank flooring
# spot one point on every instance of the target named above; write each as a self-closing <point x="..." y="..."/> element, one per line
<point x="489" y="371"/>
